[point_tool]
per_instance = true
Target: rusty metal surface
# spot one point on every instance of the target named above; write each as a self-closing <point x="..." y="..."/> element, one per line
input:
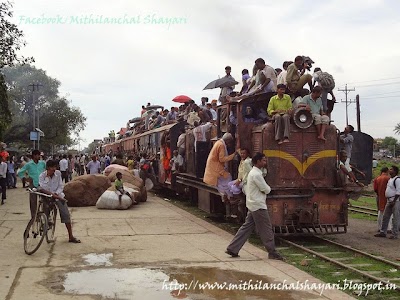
<point x="361" y="154"/>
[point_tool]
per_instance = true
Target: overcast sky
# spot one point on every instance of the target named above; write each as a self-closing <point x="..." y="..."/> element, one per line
<point x="110" y="70"/>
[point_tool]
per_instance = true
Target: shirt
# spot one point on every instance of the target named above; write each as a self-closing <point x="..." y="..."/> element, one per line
<point x="93" y="167"/>
<point x="176" y="160"/>
<point x="119" y="184"/>
<point x="380" y="184"/>
<point x="348" y="143"/>
<point x="282" y="77"/>
<point x="392" y="191"/>
<point x="200" y="133"/>
<point x="214" y="114"/>
<point x="292" y="76"/>
<point x="276" y="103"/>
<point x="256" y="190"/>
<point x="10" y="167"/>
<point x="63" y="165"/>
<point x="52" y="184"/>
<point x="34" y="170"/>
<point x="244" y="169"/>
<point x="3" y="170"/>
<point x="315" y="105"/>
<point x="269" y="72"/>
<point x="181" y="141"/>
<point x="82" y="160"/>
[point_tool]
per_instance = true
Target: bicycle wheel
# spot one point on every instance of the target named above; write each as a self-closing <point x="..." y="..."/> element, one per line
<point x="35" y="233"/>
<point x="51" y="224"/>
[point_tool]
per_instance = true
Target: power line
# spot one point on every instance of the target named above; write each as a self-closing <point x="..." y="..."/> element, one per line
<point x="385" y="93"/>
<point x="346" y="91"/>
<point x="383" y="79"/>
<point x="379" y="84"/>
<point x="369" y="97"/>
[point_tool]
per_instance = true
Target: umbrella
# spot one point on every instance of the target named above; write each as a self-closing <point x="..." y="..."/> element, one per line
<point x="221" y="82"/>
<point x="181" y="99"/>
<point x="135" y="120"/>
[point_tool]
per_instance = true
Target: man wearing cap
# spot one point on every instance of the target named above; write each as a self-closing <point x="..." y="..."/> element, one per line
<point x="216" y="173"/>
<point x="34" y="168"/>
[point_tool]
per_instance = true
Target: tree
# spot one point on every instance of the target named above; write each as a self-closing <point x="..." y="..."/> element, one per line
<point x="389" y="142"/>
<point x="5" y="113"/>
<point x="397" y="128"/>
<point x="11" y="38"/>
<point x="58" y="118"/>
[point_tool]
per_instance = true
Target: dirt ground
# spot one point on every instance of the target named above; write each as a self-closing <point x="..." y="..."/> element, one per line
<point x="360" y="235"/>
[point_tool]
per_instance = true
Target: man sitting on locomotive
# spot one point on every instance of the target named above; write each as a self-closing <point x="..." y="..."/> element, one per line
<point x="280" y="108"/>
<point x="295" y="76"/>
<point x="313" y="103"/>
<point x="50" y="182"/>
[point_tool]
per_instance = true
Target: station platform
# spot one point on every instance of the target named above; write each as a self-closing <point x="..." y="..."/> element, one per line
<point x="154" y="250"/>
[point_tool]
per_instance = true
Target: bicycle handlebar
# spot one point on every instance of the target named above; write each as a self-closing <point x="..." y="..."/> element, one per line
<point x="35" y="191"/>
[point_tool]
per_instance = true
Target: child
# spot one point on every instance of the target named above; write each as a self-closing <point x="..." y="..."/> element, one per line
<point x="119" y="186"/>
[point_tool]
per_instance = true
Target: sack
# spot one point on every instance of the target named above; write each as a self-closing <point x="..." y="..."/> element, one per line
<point x="326" y="81"/>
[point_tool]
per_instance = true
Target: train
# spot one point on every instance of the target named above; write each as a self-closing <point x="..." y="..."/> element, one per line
<point x="307" y="197"/>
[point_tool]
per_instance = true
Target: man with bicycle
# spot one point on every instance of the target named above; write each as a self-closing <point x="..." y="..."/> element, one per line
<point x="50" y="182"/>
<point x="34" y="168"/>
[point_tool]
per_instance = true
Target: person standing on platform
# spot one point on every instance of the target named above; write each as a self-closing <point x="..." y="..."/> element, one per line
<point x="257" y="216"/>
<point x="380" y="184"/>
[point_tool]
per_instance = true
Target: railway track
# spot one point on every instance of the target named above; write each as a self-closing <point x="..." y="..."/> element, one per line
<point x="360" y="263"/>
<point x="363" y="210"/>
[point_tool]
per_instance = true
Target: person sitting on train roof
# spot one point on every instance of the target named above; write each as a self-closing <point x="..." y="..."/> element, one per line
<point x="277" y="72"/>
<point x="213" y="112"/>
<point x="327" y="83"/>
<point x="349" y="170"/>
<point x="216" y="173"/>
<point x="255" y="83"/>
<point x="172" y="115"/>
<point x="313" y="103"/>
<point x="245" y="78"/>
<point x="143" y="110"/>
<point x="280" y="108"/>
<point x="204" y="101"/>
<point x="269" y="84"/>
<point x="295" y="76"/>
<point x="281" y="79"/>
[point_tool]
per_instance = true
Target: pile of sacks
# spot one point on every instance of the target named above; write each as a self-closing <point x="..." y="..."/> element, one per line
<point x="99" y="190"/>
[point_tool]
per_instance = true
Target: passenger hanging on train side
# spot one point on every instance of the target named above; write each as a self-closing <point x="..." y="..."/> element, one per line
<point x="181" y="144"/>
<point x="313" y="103"/>
<point x="346" y="141"/>
<point x="295" y="77"/>
<point x="237" y="186"/>
<point x="280" y="108"/>
<point x="201" y="146"/>
<point x="270" y="82"/>
<point x="348" y="169"/>
<point x="216" y="173"/>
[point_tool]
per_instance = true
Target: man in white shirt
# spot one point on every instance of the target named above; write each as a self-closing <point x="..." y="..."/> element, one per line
<point x="93" y="167"/>
<point x="392" y="207"/>
<point x="82" y="164"/>
<point x="201" y="146"/>
<point x="213" y="112"/>
<point x="257" y="216"/>
<point x="64" y="168"/>
<point x="281" y="79"/>
<point x="50" y="182"/>
<point x="268" y="72"/>
<point x="3" y="178"/>
<point x="181" y="144"/>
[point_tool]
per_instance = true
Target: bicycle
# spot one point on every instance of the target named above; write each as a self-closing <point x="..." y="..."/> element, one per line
<point x="43" y="224"/>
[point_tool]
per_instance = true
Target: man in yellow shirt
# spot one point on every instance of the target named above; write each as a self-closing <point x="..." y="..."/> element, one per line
<point x="280" y="108"/>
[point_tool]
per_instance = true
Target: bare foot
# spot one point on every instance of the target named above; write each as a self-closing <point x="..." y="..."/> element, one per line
<point x="321" y="138"/>
<point x="286" y="141"/>
<point x="280" y="142"/>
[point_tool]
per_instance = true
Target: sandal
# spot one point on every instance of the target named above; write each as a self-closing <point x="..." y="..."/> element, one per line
<point x="75" y="241"/>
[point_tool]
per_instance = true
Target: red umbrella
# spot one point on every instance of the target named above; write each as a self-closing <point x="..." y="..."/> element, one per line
<point x="181" y="99"/>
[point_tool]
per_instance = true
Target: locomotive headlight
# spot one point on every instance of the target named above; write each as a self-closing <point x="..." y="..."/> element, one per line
<point x="302" y="118"/>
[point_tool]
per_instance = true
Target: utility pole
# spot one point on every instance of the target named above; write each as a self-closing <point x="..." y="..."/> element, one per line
<point x="35" y="88"/>
<point x="358" y="113"/>
<point x="348" y="102"/>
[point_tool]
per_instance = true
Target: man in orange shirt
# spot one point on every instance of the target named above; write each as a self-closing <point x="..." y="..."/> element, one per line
<point x="380" y="184"/>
